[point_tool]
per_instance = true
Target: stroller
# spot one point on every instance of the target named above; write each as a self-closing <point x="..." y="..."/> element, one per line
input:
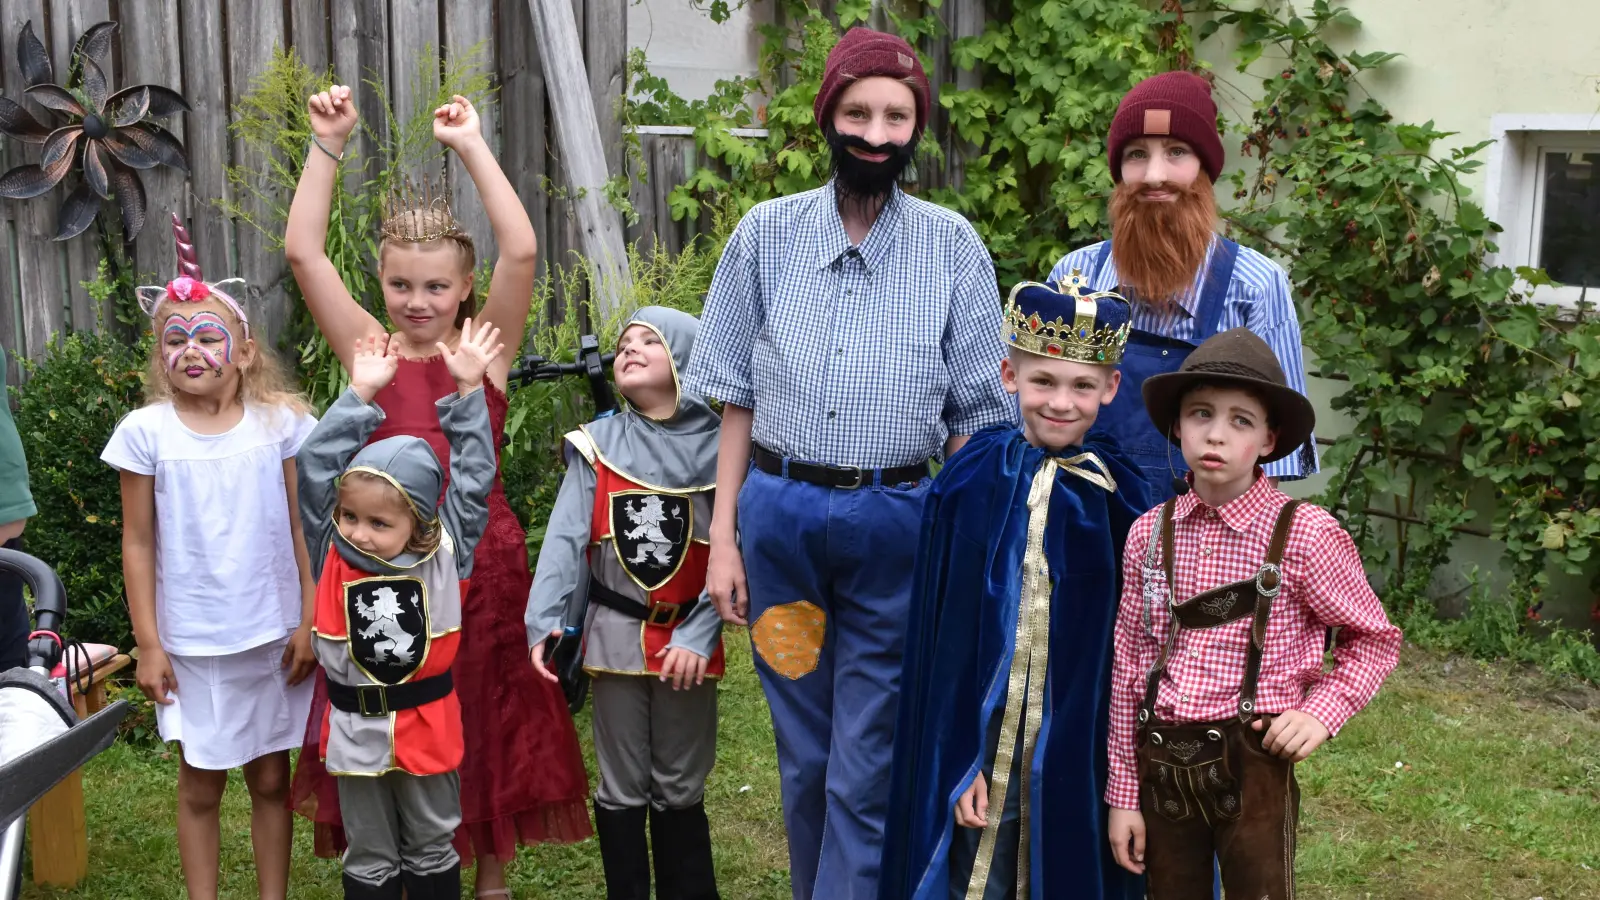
<point x="41" y="739"/>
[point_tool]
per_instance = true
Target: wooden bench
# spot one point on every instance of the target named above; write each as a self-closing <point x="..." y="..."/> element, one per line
<point x="57" y="830"/>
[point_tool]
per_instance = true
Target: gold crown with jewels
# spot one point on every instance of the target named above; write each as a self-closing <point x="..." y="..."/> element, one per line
<point x="407" y="208"/>
<point x="1068" y="321"/>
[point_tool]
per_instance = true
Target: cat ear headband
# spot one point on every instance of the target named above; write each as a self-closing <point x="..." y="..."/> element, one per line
<point x="190" y="287"/>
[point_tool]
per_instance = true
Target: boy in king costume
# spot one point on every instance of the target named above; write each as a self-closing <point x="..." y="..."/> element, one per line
<point x="998" y="763"/>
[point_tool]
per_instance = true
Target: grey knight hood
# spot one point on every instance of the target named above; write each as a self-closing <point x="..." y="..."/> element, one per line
<point x="410" y="466"/>
<point x="674" y="454"/>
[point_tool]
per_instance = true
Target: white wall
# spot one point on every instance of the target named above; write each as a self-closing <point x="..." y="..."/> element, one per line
<point x="692" y="52"/>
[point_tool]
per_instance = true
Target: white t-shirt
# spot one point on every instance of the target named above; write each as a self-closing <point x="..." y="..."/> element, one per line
<point x="226" y="578"/>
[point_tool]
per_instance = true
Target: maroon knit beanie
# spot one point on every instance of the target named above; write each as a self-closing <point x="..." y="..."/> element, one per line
<point x="863" y="53"/>
<point x="1172" y="104"/>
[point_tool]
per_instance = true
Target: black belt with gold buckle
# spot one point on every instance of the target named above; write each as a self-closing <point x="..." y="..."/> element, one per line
<point x="664" y="614"/>
<point x="375" y="701"/>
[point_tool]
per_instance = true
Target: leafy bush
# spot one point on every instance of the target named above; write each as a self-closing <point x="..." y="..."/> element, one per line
<point x="71" y="404"/>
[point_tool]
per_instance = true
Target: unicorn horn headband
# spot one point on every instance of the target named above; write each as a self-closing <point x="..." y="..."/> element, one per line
<point x="191" y="286"/>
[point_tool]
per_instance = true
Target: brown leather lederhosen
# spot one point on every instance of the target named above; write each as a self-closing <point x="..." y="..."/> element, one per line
<point x="1208" y="789"/>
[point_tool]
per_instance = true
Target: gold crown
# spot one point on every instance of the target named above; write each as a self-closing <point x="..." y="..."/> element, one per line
<point x="1079" y="340"/>
<point x="405" y="209"/>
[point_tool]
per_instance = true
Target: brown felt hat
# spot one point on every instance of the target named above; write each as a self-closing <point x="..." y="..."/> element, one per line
<point x="1237" y="357"/>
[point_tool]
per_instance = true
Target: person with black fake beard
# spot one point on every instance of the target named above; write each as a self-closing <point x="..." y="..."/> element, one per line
<point x="850" y="333"/>
<point x="1186" y="282"/>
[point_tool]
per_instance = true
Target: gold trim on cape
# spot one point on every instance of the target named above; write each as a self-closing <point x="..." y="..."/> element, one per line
<point x="1027" y="673"/>
<point x="581" y="442"/>
<point x="695" y="489"/>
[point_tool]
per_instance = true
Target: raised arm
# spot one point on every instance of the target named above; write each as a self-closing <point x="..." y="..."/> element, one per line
<point x="511" y="288"/>
<point x="338" y="316"/>
<point x="343" y="431"/>
<point x="465" y="419"/>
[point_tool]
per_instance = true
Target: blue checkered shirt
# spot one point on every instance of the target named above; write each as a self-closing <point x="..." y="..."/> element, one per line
<point x="869" y="355"/>
<point x="1257" y="299"/>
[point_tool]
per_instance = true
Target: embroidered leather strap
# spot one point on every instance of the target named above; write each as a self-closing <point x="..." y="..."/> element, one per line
<point x="1267" y="583"/>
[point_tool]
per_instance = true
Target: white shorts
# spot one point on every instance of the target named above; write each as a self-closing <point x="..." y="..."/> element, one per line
<point x="229" y="710"/>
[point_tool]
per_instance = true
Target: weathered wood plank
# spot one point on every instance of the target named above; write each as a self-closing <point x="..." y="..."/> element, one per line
<point x="522" y="117"/>
<point x="206" y="134"/>
<point x="583" y="157"/>
<point x="414" y="82"/>
<point x="966" y="18"/>
<point x="469" y="25"/>
<point x="361" y="60"/>
<point x="68" y="21"/>
<point x="39" y="270"/>
<point x="641" y="193"/>
<point x="10" y="315"/>
<point x="255" y="29"/>
<point x="147" y="58"/>
<point x="308" y="32"/>
<point x="605" y="55"/>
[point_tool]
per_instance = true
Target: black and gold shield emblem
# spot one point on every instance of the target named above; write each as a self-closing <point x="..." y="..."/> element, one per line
<point x="388" y="626"/>
<point x="651" y="531"/>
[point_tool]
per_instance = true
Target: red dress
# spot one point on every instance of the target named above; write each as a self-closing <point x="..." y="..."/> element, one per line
<point x="523" y="780"/>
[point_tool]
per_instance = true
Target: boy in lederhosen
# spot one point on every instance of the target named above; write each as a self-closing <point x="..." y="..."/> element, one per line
<point x="1218" y="686"/>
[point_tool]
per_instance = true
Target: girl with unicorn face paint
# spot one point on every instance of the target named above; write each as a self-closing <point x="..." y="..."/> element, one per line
<point x="219" y="584"/>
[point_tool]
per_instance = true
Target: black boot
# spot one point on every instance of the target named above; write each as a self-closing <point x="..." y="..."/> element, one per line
<point x="680" y="839"/>
<point x="444" y="885"/>
<point x="623" y="852"/>
<point x="355" y="889"/>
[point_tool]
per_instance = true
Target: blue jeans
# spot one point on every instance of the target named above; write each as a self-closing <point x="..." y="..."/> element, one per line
<point x="829" y="573"/>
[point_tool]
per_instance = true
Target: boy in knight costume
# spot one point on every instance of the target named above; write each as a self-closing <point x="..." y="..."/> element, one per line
<point x="998" y="762"/>
<point x="629" y="532"/>
<point x="1218" y="687"/>
<point x="392" y="561"/>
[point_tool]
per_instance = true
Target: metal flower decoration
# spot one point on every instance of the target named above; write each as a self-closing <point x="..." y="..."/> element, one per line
<point x="107" y="135"/>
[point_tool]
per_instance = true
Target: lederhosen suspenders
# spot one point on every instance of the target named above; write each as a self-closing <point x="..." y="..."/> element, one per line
<point x="1218" y="607"/>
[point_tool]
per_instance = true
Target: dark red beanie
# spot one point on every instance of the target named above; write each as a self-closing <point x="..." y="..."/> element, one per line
<point x="1172" y="104"/>
<point x="863" y="53"/>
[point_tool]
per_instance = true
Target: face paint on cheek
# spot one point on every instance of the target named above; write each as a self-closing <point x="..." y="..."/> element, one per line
<point x="190" y="330"/>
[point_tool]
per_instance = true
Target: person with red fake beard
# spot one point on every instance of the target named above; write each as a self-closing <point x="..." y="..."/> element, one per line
<point x="850" y="333"/>
<point x="1186" y="281"/>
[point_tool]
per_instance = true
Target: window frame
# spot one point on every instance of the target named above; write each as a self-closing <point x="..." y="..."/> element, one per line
<point x="1514" y="193"/>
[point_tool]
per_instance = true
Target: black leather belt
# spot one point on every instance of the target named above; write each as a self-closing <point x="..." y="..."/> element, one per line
<point x="375" y="701"/>
<point x="658" y="613"/>
<point x="846" y="477"/>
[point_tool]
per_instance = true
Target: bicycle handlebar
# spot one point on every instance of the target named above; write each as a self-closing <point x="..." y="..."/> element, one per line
<point x="49" y="604"/>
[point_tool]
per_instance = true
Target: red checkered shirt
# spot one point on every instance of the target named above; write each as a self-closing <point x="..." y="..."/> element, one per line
<point x="1323" y="585"/>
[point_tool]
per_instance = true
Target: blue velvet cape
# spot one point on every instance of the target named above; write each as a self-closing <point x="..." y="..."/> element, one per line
<point x="960" y="637"/>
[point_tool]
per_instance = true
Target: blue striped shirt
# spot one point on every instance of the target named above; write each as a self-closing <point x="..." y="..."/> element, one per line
<point x="1257" y="298"/>
<point x="869" y="355"/>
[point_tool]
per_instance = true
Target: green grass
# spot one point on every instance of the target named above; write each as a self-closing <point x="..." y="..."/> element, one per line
<point x="1497" y="796"/>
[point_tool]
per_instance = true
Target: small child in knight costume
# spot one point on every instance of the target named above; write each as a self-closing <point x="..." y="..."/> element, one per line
<point x="392" y="561"/>
<point x="1218" y="687"/>
<point x="1007" y="656"/>
<point x="629" y="531"/>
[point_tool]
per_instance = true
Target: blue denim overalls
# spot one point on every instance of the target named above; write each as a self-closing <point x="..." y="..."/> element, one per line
<point x="1149" y="354"/>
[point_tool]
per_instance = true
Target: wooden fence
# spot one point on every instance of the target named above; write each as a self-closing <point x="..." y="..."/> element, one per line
<point x="210" y="50"/>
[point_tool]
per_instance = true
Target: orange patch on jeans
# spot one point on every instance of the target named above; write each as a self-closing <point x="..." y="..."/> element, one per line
<point x="789" y="638"/>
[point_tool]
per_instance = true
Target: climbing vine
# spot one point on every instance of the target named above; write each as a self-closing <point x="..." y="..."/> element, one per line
<point x="1470" y="405"/>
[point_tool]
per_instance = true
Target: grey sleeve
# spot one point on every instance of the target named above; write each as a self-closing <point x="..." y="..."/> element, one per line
<point x="322" y="458"/>
<point x="562" y="572"/>
<point x="465" y="511"/>
<point x="699" y="632"/>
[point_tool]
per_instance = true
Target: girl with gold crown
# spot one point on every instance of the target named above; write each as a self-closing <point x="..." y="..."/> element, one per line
<point x="219" y="584"/>
<point x="522" y="780"/>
